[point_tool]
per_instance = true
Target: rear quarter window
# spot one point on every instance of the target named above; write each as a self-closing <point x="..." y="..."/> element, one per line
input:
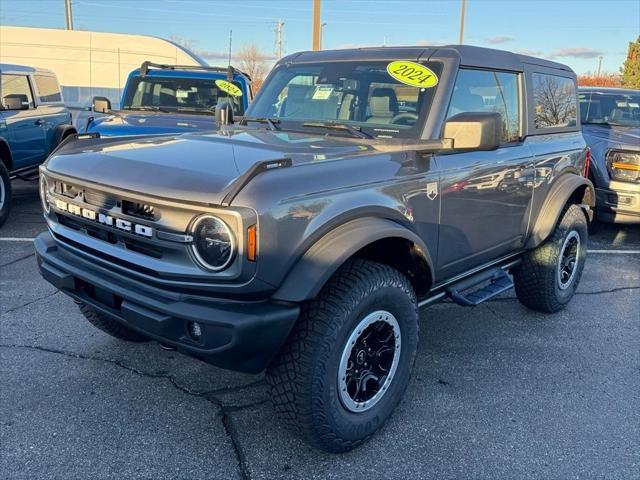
<point x="555" y="101"/>
<point x="48" y="89"/>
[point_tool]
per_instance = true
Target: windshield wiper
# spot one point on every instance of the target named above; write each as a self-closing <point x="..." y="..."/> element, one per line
<point x="271" y="122"/>
<point x="355" y="131"/>
<point x="148" y="108"/>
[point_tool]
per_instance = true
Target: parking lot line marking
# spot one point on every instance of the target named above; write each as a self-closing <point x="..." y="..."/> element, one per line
<point x="16" y="239"/>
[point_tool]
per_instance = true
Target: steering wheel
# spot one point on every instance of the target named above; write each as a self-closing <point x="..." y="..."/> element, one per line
<point x="405" y="118"/>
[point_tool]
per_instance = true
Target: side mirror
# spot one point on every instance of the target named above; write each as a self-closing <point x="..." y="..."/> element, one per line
<point x="101" y="105"/>
<point x="474" y="131"/>
<point x="224" y="113"/>
<point x="16" y="101"/>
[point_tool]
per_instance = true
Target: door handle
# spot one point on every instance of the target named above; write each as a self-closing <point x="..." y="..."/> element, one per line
<point x="39" y="122"/>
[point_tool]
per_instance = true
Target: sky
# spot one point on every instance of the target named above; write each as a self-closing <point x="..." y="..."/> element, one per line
<point x="575" y="32"/>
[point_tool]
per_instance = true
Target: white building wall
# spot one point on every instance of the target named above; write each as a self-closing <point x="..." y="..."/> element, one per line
<point x="87" y="64"/>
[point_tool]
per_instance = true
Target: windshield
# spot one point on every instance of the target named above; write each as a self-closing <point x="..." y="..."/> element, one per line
<point x="191" y="95"/>
<point x="363" y="95"/>
<point x="620" y="109"/>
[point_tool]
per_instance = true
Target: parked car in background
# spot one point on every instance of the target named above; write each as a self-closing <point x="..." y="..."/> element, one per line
<point x="33" y="121"/>
<point x="611" y="127"/>
<point x="165" y="99"/>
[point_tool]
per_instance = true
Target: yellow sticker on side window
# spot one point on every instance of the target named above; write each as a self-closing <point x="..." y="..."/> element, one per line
<point x="229" y="88"/>
<point x="411" y="73"/>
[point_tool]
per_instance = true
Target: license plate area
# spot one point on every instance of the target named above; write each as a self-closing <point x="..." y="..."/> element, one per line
<point x="99" y="295"/>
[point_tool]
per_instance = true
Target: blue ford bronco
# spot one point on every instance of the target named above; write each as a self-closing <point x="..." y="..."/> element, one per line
<point x="165" y="99"/>
<point x="33" y="121"/>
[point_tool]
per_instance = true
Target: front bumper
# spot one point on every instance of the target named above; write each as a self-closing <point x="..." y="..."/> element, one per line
<point x="618" y="203"/>
<point x="241" y="336"/>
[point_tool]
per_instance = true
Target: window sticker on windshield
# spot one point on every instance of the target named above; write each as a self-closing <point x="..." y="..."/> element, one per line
<point x="322" y="93"/>
<point x="229" y="88"/>
<point x="411" y="73"/>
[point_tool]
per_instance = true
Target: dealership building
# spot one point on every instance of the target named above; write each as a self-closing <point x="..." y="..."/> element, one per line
<point x="88" y="64"/>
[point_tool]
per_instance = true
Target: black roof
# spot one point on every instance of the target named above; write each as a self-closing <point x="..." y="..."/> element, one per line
<point x="469" y="56"/>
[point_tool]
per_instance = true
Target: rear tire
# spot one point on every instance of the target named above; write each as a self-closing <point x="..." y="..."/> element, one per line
<point x="348" y="359"/>
<point x="111" y="326"/>
<point x="549" y="275"/>
<point x="5" y="193"/>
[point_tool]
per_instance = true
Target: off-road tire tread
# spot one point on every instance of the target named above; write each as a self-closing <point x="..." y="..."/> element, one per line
<point x="534" y="280"/>
<point x="293" y="372"/>
<point x="111" y="326"/>
<point x="4" y="213"/>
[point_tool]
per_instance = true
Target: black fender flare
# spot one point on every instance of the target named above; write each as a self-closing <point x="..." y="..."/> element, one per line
<point x="564" y="188"/>
<point x="61" y="133"/>
<point x="307" y="277"/>
<point x="8" y="162"/>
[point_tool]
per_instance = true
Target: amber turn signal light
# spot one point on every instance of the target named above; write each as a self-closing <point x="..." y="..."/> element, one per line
<point x="252" y="243"/>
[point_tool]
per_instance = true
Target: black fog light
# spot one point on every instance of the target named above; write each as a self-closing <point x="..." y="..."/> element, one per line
<point x="195" y="331"/>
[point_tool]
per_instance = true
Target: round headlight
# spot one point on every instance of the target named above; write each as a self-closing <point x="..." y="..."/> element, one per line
<point x="44" y="193"/>
<point x="213" y="243"/>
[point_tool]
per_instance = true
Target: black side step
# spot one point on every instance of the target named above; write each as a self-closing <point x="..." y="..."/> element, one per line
<point x="474" y="290"/>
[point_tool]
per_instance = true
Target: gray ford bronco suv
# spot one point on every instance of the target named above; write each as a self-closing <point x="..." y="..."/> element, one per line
<point x="360" y="186"/>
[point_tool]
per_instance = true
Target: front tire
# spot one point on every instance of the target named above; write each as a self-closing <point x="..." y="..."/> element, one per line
<point x="549" y="275"/>
<point x="111" y="326"/>
<point x="5" y="193"/>
<point x="347" y="362"/>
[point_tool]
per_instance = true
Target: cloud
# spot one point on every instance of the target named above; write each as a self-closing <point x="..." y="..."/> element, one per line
<point x="423" y="42"/>
<point x="498" y="39"/>
<point x="531" y="53"/>
<point x="575" y="52"/>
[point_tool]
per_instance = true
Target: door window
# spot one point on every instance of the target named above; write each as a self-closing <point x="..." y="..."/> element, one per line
<point x="15" y="87"/>
<point x="489" y="91"/>
<point x="48" y="89"/>
<point x="555" y="99"/>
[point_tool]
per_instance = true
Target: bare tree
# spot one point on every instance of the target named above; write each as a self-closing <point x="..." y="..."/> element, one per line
<point x="555" y="102"/>
<point x="254" y="63"/>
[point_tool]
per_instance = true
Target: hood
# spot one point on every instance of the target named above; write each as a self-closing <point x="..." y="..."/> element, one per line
<point x="616" y="137"/>
<point x="150" y="123"/>
<point x="195" y="168"/>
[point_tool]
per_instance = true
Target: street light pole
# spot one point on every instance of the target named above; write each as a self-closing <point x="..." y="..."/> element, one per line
<point x="600" y="64"/>
<point x="322" y="25"/>
<point x="68" y="14"/>
<point x="464" y="5"/>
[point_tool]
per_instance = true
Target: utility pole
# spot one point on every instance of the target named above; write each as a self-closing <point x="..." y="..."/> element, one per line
<point x="68" y="14"/>
<point x="230" y="38"/>
<point x="322" y="25"/>
<point x="464" y="5"/>
<point x="600" y="64"/>
<point x="279" y="39"/>
<point x="316" y="25"/>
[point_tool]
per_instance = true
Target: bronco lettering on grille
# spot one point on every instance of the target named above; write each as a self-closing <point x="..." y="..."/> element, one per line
<point x="103" y="219"/>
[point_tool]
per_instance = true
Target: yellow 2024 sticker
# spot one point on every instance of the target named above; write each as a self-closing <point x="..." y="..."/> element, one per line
<point x="229" y="88"/>
<point x="411" y="73"/>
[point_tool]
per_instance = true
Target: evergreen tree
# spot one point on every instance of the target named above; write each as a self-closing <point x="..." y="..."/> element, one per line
<point x="631" y="68"/>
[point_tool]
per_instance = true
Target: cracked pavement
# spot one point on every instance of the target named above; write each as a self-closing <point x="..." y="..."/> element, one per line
<point x="497" y="392"/>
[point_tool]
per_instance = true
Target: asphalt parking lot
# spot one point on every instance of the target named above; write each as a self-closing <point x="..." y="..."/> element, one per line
<point x="497" y="391"/>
